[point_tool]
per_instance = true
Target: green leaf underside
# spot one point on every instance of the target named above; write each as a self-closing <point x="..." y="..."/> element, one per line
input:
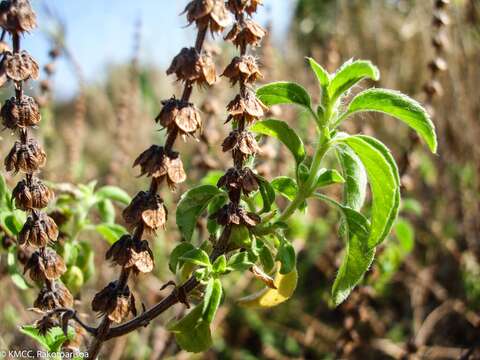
<point x="284" y="133"/>
<point x="113" y="193"/>
<point x="267" y="193"/>
<point x="284" y="92"/>
<point x="400" y="106"/>
<point x="322" y="75"/>
<point x="196" y="257"/>
<point x="287" y="257"/>
<point x="111" y="232"/>
<point x="355" y="187"/>
<point x="191" y="205"/>
<point x="384" y="183"/>
<point x="213" y="302"/>
<point x="358" y="256"/>
<point x="350" y="74"/>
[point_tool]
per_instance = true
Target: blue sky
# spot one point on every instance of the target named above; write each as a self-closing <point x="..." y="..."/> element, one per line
<point x="100" y="32"/>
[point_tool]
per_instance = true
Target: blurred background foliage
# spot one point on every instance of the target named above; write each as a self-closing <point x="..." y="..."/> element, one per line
<point x="421" y="297"/>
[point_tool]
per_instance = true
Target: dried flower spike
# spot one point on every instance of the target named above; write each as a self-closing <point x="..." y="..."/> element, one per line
<point x="20" y="113"/>
<point x="210" y="14"/>
<point x="146" y="208"/>
<point x="31" y="194"/>
<point x="55" y="295"/>
<point x="45" y="265"/>
<point x="27" y="157"/>
<point x="17" y="16"/>
<point x="179" y="115"/>
<point x="114" y="302"/>
<point x="38" y="230"/>
<point x="131" y="253"/>
<point x="20" y="66"/>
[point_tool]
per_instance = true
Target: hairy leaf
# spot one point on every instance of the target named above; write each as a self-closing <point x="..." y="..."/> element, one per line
<point x="355" y="187"/>
<point x="284" y="92"/>
<point x="113" y="193"/>
<point x="285" y="186"/>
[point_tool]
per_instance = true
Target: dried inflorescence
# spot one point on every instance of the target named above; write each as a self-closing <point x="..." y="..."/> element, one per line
<point x="179" y="115"/>
<point x="190" y="65"/>
<point x="239" y="179"/>
<point x="27" y="157"/>
<point x="131" y="253"/>
<point x="234" y="214"/>
<point x="20" y="113"/>
<point x="210" y="14"/>
<point x="246" y="107"/>
<point x="243" y="69"/>
<point x="246" y="33"/>
<point x="17" y="16"/>
<point x="115" y="302"/>
<point x="156" y="163"/>
<point x="148" y="209"/>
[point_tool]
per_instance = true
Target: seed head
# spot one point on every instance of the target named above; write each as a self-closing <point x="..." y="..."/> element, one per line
<point x="189" y="65"/>
<point x="243" y="179"/>
<point x="146" y="208"/>
<point x="208" y="13"/>
<point x="20" y="112"/>
<point x="114" y="302"/>
<point x="246" y="106"/>
<point x="243" y="69"/>
<point x="20" y="66"/>
<point x="131" y="253"/>
<point x="54" y="297"/>
<point x="27" y="157"/>
<point x="17" y="16"/>
<point x="236" y="215"/>
<point x="45" y="265"/>
<point x="31" y="195"/>
<point x="181" y="115"/>
<point x="156" y="163"/>
<point x="245" y="33"/>
<point x="239" y="6"/>
<point x="242" y="141"/>
<point x="38" y="230"/>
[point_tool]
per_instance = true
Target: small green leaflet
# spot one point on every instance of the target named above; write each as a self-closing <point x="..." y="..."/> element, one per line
<point x="281" y="131"/>
<point x="111" y="232"/>
<point x="178" y="252"/>
<point x="384" y="183"/>
<point x="358" y="256"/>
<point x="355" y="187"/>
<point x="212" y="298"/>
<point x="350" y="74"/>
<point x="322" y="75"/>
<point x="196" y="257"/>
<point x="113" y="193"/>
<point x="329" y="177"/>
<point x="191" y="205"/>
<point x="285" y="186"/>
<point x="397" y="105"/>
<point x="284" y="92"/>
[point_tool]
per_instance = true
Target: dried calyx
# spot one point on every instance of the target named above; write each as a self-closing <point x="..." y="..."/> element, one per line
<point x="20" y="113"/>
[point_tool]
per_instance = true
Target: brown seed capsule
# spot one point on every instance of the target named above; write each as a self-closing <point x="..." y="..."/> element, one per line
<point x="20" y="113"/>
<point x="243" y="141"/>
<point x="440" y="41"/>
<point x="189" y="65"/>
<point x="438" y="64"/>
<point x="54" y="296"/>
<point x="234" y="214"/>
<point x="27" y="157"/>
<point x="115" y="303"/>
<point x="440" y="4"/>
<point x="38" y="230"/>
<point x="17" y="16"/>
<point x="31" y="195"/>
<point x="246" y="33"/>
<point x="45" y="265"/>
<point x="208" y="13"/>
<point x="20" y="66"/>
<point x="243" y="179"/>
<point x="49" y="68"/>
<point x="181" y="115"/>
<point x="156" y="163"/>
<point x="239" y="6"/>
<point x="440" y="18"/>
<point x="247" y="107"/>
<point x="131" y="253"/>
<point x="433" y="88"/>
<point x="146" y="208"/>
<point x="45" y="324"/>
<point x="243" y="69"/>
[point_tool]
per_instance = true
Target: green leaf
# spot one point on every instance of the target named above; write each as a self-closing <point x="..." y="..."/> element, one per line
<point x="32" y="331"/>
<point x="240" y="236"/>
<point x="111" y="232"/>
<point x="355" y="188"/>
<point x="267" y="192"/>
<point x="106" y="210"/>
<point x="284" y="92"/>
<point x="241" y="261"/>
<point x="384" y="182"/>
<point x="281" y="131"/>
<point x="397" y="105"/>
<point x="322" y="75"/>
<point x="85" y="260"/>
<point x="215" y="205"/>
<point x="192" y="333"/>
<point x="212" y="177"/>
<point x="196" y="257"/>
<point x="53" y="340"/>
<point x="13" y="224"/>
<point x="212" y="301"/>
<point x="113" y="193"/>
<point x="329" y="177"/>
<point x="350" y="74"/>
<point x="191" y="206"/>
<point x="286" y="256"/>
<point x="266" y="258"/>
<point x="13" y="270"/>
<point x="5" y="194"/>
<point x="220" y="265"/>
<point x="358" y="256"/>
<point x="178" y="252"/>
<point x="285" y="186"/>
